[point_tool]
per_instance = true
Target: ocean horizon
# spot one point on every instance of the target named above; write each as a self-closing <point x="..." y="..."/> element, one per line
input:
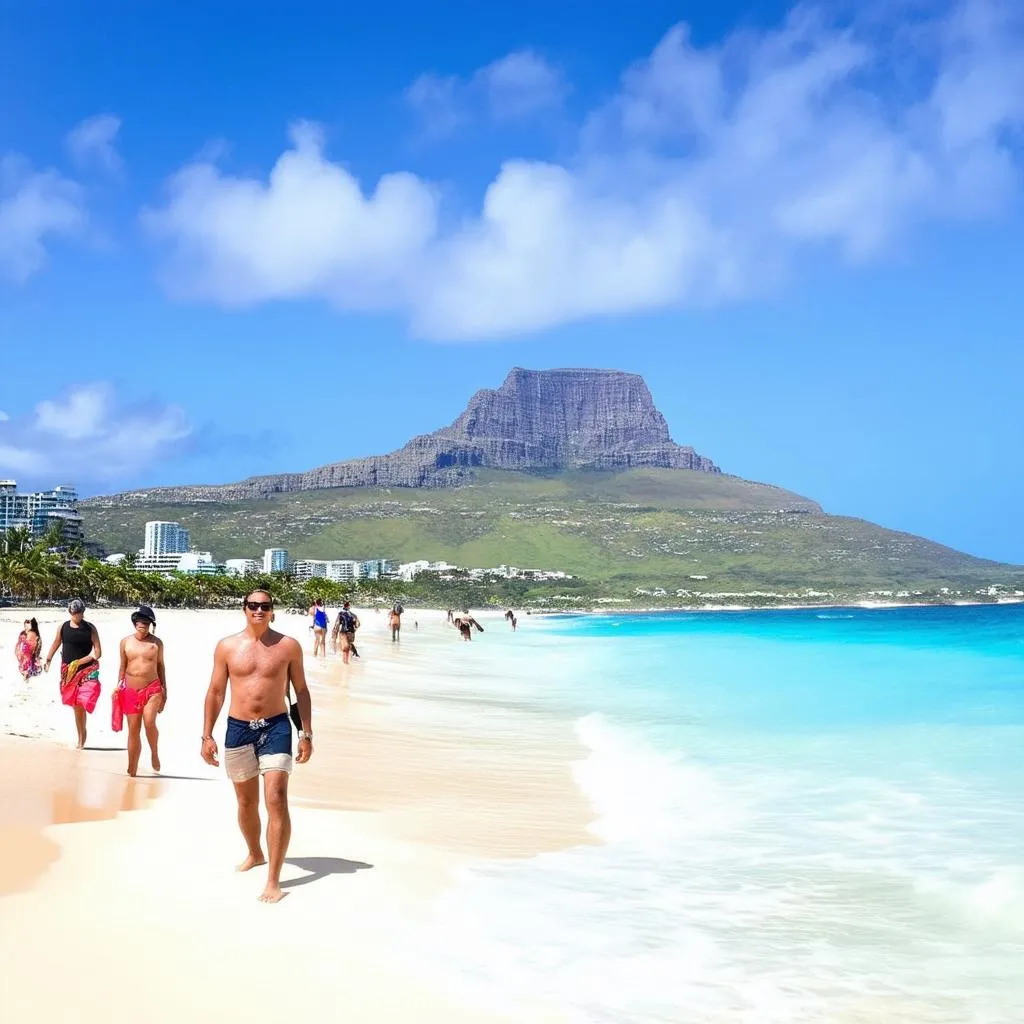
<point x="804" y="815"/>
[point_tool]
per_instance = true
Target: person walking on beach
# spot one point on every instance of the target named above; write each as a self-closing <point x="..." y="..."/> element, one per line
<point x="141" y="688"/>
<point x="347" y="624"/>
<point x="80" y="654"/>
<point x="259" y="664"/>
<point x="395" y="621"/>
<point x="27" y="648"/>
<point x="319" y="628"/>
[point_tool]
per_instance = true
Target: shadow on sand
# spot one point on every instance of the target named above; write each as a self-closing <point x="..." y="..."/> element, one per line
<point x="321" y="867"/>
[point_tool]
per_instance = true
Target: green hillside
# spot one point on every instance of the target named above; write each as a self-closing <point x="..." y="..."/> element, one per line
<point x="643" y="528"/>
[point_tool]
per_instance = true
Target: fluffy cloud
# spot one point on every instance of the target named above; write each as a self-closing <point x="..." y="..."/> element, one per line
<point x="87" y="435"/>
<point x="91" y="143"/>
<point x="309" y="230"/>
<point x="516" y="87"/>
<point x="34" y="206"/>
<point x="709" y="177"/>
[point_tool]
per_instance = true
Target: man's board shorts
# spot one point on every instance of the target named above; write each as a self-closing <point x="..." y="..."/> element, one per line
<point x="257" y="747"/>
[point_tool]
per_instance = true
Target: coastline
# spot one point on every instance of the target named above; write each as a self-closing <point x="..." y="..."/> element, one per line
<point x="417" y="773"/>
<point x="848" y="606"/>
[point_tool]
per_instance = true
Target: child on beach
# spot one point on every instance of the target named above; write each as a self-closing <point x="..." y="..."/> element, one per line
<point x="26" y="650"/>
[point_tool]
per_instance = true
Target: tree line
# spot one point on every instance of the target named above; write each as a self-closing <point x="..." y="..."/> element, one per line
<point x="42" y="570"/>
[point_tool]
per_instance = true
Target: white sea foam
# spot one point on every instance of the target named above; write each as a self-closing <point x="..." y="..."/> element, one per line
<point x="757" y="891"/>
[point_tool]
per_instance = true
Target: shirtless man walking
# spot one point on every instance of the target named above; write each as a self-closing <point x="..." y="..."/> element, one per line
<point x="142" y="686"/>
<point x="259" y="662"/>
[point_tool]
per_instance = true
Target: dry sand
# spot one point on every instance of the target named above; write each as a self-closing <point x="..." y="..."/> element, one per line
<point x="118" y="898"/>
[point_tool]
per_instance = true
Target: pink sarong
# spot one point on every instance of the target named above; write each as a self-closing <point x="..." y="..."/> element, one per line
<point x="129" y="701"/>
<point x="80" y="686"/>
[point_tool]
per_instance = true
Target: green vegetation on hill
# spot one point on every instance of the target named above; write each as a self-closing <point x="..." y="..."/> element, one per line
<point x="640" y="529"/>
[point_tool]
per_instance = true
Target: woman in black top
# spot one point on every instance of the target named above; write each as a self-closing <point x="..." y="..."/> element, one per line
<point x="80" y="664"/>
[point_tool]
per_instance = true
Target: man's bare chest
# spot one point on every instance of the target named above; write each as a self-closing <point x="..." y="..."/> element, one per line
<point x="255" y="660"/>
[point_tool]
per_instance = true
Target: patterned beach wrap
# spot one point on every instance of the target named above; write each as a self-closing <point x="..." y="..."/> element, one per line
<point x="80" y="684"/>
<point x="28" y="658"/>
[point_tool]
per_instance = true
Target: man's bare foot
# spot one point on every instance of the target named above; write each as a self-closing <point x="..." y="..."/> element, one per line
<point x="254" y="860"/>
<point x="155" y="762"/>
<point x="272" y="894"/>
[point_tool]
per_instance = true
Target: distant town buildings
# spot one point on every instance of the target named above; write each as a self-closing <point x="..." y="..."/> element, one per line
<point x="39" y="511"/>
<point x="243" y="566"/>
<point x="167" y="550"/>
<point x="410" y="570"/>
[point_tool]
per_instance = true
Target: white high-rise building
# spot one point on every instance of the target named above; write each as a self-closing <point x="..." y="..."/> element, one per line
<point x="163" y="538"/>
<point x="309" y="568"/>
<point x="276" y="560"/>
<point x="342" y="569"/>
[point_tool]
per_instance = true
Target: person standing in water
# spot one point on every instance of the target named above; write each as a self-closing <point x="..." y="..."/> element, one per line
<point x="142" y="687"/>
<point x="395" y="621"/>
<point x="319" y="628"/>
<point x="259" y="664"/>
<point x="80" y="655"/>
<point x="347" y="624"/>
<point x="511" y="617"/>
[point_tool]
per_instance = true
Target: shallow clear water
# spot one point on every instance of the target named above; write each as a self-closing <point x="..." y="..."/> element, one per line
<point x="807" y="816"/>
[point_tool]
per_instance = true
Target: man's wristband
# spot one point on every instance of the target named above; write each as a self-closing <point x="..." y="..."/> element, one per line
<point x="205" y="738"/>
<point x="303" y="735"/>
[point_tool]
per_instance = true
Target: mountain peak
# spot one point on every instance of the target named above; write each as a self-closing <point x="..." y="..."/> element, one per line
<point x="538" y="420"/>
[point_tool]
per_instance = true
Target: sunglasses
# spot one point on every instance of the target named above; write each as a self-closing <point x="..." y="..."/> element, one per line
<point x="259" y="606"/>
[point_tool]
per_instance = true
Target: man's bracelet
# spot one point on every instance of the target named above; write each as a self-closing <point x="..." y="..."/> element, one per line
<point x="205" y="738"/>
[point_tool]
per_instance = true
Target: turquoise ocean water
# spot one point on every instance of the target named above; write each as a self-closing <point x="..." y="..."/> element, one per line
<point x="806" y="816"/>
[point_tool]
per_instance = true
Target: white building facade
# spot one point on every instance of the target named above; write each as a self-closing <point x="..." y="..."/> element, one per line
<point x="165" y="538"/>
<point x="276" y="560"/>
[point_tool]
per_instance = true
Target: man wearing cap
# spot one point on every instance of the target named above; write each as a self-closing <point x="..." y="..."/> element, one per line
<point x="142" y="687"/>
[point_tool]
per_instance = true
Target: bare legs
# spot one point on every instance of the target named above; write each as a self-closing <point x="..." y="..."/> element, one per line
<point x="135" y="726"/>
<point x="279" y="827"/>
<point x="279" y="831"/>
<point x="149" y="714"/>
<point x="80" y="725"/>
<point x="248" y="795"/>
<point x="319" y="642"/>
<point x="134" y="742"/>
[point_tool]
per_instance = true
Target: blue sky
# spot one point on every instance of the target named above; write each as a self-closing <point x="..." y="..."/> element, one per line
<point x="265" y="237"/>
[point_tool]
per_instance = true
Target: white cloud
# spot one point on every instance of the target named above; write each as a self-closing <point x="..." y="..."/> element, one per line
<point x="34" y="206"/>
<point x="91" y="143"/>
<point x="3" y="416"/>
<point x="516" y="87"/>
<point x="88" y="435"/>
<point x="520" y="85"/>
<point x="309" y="230"/>
<point x="709" y="177"/>
<point x="437" y="102"/>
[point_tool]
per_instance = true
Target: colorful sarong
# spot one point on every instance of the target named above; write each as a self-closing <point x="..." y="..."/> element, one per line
<point x="28" y="658"/>
<point x="80" y="684"/>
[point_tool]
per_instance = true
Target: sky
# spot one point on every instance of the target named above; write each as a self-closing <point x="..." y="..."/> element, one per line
<point x="243" y="238"/>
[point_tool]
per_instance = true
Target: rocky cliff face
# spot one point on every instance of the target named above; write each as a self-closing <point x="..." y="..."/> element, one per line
<point x="539" y="420"/>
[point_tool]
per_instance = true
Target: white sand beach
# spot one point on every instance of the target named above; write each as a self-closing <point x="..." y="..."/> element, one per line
<point x="118" y="897"/>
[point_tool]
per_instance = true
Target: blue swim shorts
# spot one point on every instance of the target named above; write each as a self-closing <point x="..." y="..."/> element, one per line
<point x="256" y="747"/>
